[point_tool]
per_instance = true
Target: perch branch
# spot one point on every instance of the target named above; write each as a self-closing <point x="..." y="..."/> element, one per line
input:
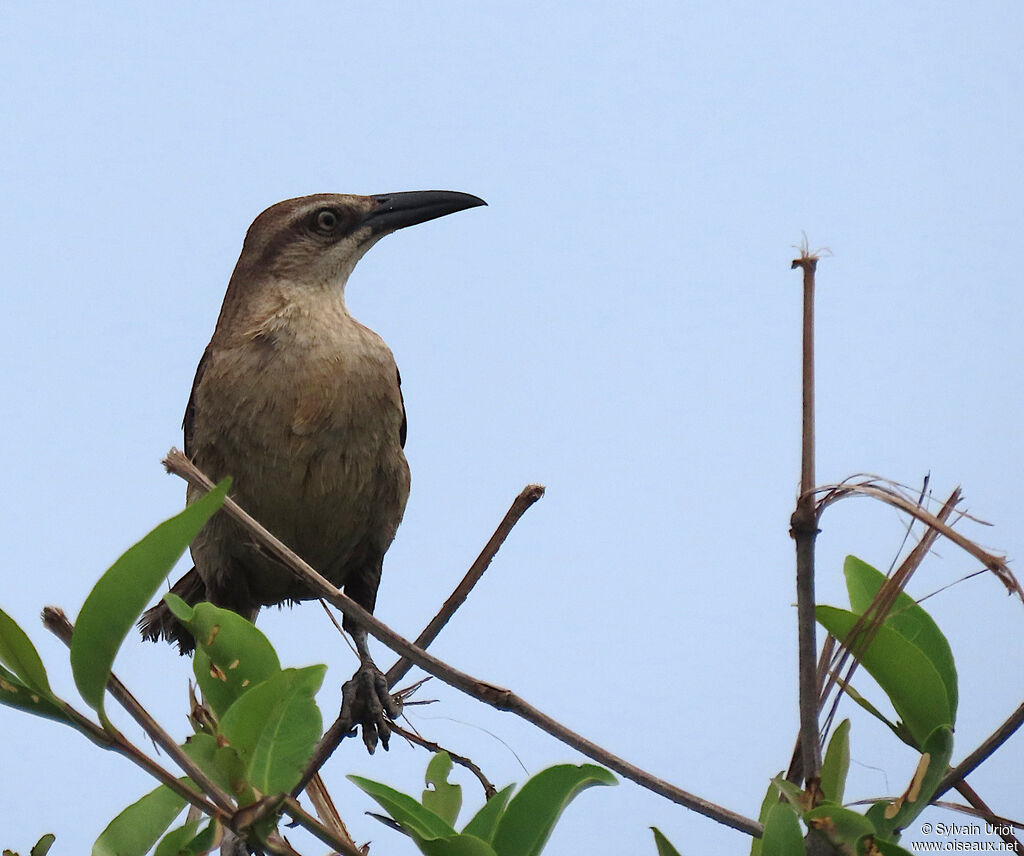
<point x="520" y="505"/>
<point x="339" y="729"/>
<point x="497" y="697"/>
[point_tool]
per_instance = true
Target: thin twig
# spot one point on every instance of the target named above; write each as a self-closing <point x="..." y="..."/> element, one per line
<point x="304" y="819"/>
<point x="339" y="728"/>
<point x="328" y="813"/>
<point x="809" y="263"/>
<point x="60" y="626"/>
<point x="497" y="697"/>
<point x="982" y="753"/>
<point x="996" y="564"/>
<point x="116" y="742"/>
<point x="804" y="529"/>
<point x="461" y="760"/>
<point x="223" y="810"/>
<point x="969" y="794"/>
<point x="520" y="505"/>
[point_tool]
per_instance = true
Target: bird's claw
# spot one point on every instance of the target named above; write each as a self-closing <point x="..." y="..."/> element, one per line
<point x="365" y="701"/>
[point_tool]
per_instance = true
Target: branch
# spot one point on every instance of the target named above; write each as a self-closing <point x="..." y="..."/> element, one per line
<point x="804" y="529"/>
<point x="58" y="624"/>
<point x="461" y="760"/>
<point x="982" y="753"/>
<point x="527" y="497"/>
<point x="339" y="729"/>
<point x="304" y="819"/>
<point x="969" y="794"/>
<point x="497" y="697"/>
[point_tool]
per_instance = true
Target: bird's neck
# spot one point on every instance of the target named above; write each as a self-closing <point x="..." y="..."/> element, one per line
<point x="280" y="310"/>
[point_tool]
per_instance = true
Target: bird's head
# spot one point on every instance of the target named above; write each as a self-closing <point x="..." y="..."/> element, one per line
<point x="318" y="240"/>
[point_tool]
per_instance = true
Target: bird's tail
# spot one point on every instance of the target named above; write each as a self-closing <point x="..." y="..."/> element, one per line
<point x="159" y="622"/>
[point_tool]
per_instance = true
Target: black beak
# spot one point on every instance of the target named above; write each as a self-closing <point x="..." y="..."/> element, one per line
<point x="398" y="210"/>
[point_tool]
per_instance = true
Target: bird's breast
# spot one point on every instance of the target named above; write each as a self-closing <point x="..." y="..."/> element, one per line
<point x="308" y="426"/>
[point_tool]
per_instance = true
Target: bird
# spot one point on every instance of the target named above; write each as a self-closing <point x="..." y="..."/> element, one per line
<point x="302" y="406"/>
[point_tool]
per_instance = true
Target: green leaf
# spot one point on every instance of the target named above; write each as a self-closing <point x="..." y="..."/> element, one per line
<point x="136" y="829"/>
<point x="525" y="826"/>
<point x="19" y="655"/>
<point x="770" y="799"/>
<point x="908" y="619"/>
<point x="444" y="798"/>
<point x="793" y="794"/>
<point x="907" y="676"/>
<point x="222" y="764"/>
<point x="485" y="821"/>
<point x="274" y="728"/>
<point x="837" y="763"/>
<point x="457" y="845"/>
<point x="840" y="825"/>
<point x="231" y="654"/>
<point x="782" y="835"/>
<point x="418" y="821"/>
<point x="939" y="748"/>
<point x="870" y="708"/>
<point x="117" y="600"/>
<point x="43" y="845"/>
<point x="432" y="835"/>
<point x="14" y="693"/>
<point x="664" y="846"/>
<point x="176" y="840"/>
<point x="206" y="840"/>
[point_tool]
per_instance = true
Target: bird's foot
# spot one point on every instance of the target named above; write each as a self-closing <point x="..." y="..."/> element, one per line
<point x="365" y="701"/>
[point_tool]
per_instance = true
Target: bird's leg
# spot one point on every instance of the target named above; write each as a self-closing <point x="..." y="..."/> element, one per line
<point x="365" y="699"/>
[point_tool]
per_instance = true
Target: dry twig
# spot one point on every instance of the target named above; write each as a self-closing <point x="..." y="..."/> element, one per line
<point x="497" y="697"/>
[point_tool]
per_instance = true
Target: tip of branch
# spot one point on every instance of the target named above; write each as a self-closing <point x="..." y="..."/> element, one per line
<point x="56" y="621"/>
<point x="808" y="257"/>
<point x="533" y="492"/>
<point x="173" y="456"/>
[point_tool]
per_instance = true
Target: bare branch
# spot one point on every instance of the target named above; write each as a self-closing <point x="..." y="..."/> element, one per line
<point x="804" y="529"/>
<point x="339" y="729"/>
<point x="527" y="497"/>
<point x="327" y="812"/>
<point x="969" y="794"/>
<point x="461" y="760"/>
<point x="497" y="697"/>
<point x="304" y="819"/>
<point x="982" y="753"/>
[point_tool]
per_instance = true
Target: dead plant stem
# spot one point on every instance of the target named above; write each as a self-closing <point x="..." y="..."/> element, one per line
<point x="804" y="528"/>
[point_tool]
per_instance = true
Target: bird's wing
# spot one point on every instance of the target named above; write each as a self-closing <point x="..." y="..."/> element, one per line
<point x="405" y="422"/>
<point x="190" y="408"/>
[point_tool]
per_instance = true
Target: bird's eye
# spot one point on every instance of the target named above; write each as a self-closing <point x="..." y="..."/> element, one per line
<point x="326" y="221"/>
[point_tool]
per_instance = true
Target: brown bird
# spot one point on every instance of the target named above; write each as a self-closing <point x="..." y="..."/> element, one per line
<point x="302" y="406"/>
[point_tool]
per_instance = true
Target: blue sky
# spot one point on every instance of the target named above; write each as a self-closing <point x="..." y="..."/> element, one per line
<point x="620" y="324"/>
